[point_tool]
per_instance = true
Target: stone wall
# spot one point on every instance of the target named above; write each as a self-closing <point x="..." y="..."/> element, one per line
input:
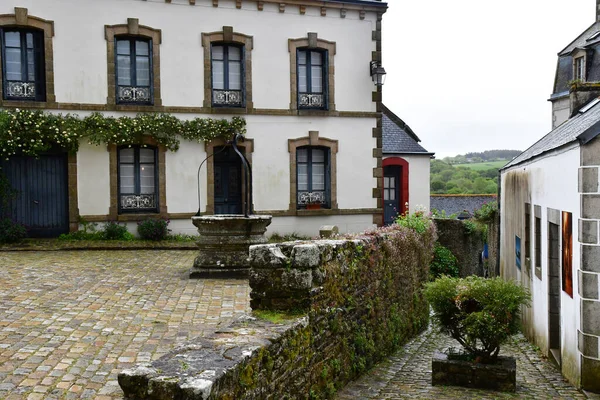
<point x="457" y="203"/>
<point x="464" y="244"/>
<point x="361" y="299"/>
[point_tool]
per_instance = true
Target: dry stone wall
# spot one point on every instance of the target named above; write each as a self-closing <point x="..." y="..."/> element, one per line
<point x="361" y="299"/>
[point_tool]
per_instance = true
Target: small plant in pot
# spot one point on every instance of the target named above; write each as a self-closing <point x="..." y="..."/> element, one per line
<point x="480" y="314"/>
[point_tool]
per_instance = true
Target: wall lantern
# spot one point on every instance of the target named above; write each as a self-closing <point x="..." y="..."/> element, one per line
<point x="377" y="73"/>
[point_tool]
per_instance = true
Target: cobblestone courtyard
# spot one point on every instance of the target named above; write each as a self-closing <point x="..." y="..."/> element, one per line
<point x="70" y="321"/>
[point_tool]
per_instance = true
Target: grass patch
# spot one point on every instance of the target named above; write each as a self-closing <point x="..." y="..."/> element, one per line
<point x="482" y="166"/>
<point x="277" y="317"/>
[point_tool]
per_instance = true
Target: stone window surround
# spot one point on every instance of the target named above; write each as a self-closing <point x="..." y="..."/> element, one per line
<point x="312" y="139"/>
<point x="228" y="36"/>
<point x="247" y="147"/>
<point x="22" y="19"/>
<point x="132" y="29"/>
<point x="312" y="42"/>
<point x="537" y="244"/>
<point x="113" y="212"/>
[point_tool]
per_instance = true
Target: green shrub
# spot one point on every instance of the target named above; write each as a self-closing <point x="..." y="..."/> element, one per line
<point x="153" y="229"/>
<point x="114" y="231"/>
<point x="81" y="235"/>
<point x="419" y="221"/>
<point x="443" y="263"/>
<point x="487" y="213"/>
<point x="10" y="231"/>
<point x="481" y="314"/>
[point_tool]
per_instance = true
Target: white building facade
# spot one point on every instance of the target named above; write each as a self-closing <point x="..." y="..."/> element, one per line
<point x="298" y="72"/>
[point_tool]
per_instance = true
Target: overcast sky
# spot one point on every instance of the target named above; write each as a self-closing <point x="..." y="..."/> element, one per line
<point x="474" y="75"/>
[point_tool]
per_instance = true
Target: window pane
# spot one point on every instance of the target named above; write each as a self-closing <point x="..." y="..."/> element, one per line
<point x="235" y="76"/>
<point x="315" y="58"/>
<point x="386" y="194"/>
<point x="124" y="70"/>
<point x="235" y="53"/>
<point x="146" y="179"/>
<point x="392" y="195"/>
<point x="29" y="38"/>
<point x="126" y="177"/>
<point x="12" y="39"/>
<point x="142" y="66"/>
<point x="218" y="75"/>
<point x="316" y="83"/>
<point x="123" y="47"/>
<point x="302" y="177"/>
<point x="302" y="156"/>
<point x="146" y="155"/>
<point x="302" y="79"/>
<point x="217" y="52"/>
<point x="318" y="155"/>
<point x="386" y="182"/>
<point x="30" y="66"/>
<point x="13" y="64"/>
<point x="126" y="155"/>
<point x="142" y="48"/>
<point x="318" y="177"/>
<point x="302" y="57"/>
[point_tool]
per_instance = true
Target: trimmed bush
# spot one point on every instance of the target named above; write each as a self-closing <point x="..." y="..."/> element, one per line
<point x="114" y="231"/>
<point x="443" y="263"/>
<point x="10" y="231"/>
<point x="480" y="314"/>
<point x="153" y="229"/>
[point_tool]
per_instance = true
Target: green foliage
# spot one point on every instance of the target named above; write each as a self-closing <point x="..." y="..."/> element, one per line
<point x="481" y="314"/>
<point x="181" y="237"/>
<point x="114" y="231"/>
<point x="442" y="214"/>
<point x="475" y="228"/>
<point x="487" y="213"/>
<point x="443" y="263"/>
<point x="153" y="229"/>
<point x="277" y="317"/>
<point x="419" y="221"/>
<point x="31" y="132"/>
<point x="10" y="231"/>
<point x="446" y="178"/>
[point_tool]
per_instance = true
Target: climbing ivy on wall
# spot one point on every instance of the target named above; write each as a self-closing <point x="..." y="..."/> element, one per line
<point x="31" y="132"/>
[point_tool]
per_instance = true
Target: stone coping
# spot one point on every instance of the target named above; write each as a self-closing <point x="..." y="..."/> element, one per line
<point x="60" y="245"/>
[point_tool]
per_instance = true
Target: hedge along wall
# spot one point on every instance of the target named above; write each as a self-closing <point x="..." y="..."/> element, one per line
<point x="465" y="244"/>
<point x="361" y="299"/>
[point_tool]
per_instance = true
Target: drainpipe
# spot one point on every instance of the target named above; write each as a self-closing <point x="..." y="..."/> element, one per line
<point x="499" y="220"/>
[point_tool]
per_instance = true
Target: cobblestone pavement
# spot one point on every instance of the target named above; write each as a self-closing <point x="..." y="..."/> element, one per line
<point x="407" y="374"/>
<point x="70" y="321"/>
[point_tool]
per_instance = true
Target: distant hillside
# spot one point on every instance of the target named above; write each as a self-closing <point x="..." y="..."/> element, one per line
<point x="478" y="157"/>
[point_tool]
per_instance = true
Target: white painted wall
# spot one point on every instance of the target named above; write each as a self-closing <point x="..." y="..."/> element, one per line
<point x="80" y="47"/>
<point x="552" y="183"/>
<point x="93" y="179"/>
<point x="560" y="111"/>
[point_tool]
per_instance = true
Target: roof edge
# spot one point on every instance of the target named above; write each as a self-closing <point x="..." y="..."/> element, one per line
<point x="576" y="39"/>
<point x="398" y="121"/>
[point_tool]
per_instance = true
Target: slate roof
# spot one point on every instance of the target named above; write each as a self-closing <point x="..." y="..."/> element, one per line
<point x="583" y="127"/>
<point x="564" y="68"/>
<point x="398" y="138"/>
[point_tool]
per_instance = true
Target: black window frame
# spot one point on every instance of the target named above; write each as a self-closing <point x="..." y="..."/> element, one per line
<point x="309" y="163"/>
<point x="226" y="61"/>
<point x="137" y="185"/>
<point x="324" y="73"/>
<point x="133" y="69"/>
<point x="39" y="63"/>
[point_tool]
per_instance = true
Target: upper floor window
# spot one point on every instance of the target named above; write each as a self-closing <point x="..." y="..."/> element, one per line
<point x="313" y="182"/>
<point x="137" y="172"/>
<point x="312" y="79"/>
<point x="579" y="69"/>
<point x="133" y="67"/>
<point x="23" y="76"/>
<point x="227" y="75"/>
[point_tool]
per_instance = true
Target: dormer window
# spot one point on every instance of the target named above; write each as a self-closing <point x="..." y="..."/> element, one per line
<point x="579" y="73"/>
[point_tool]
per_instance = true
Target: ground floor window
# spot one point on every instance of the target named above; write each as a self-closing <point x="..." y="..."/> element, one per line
<point x="138" y="175"/>
<point x="313" y="182"/>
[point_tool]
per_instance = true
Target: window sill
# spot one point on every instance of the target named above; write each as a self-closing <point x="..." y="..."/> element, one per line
<point x="26" y="104"/>
<point x="321" y="211"/>
<point x="228" y="110"/>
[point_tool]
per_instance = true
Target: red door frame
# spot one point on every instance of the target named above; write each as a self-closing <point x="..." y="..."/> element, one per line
<point x="403" y="164"/>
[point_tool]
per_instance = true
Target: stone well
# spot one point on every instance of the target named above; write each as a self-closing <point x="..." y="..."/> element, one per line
<point x="224" y="242"/>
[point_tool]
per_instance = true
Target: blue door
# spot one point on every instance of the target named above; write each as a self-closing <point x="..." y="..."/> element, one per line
<point x="228" y="182"/>
<point x="391" y="194"/>
<point x="41" y="200"/>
